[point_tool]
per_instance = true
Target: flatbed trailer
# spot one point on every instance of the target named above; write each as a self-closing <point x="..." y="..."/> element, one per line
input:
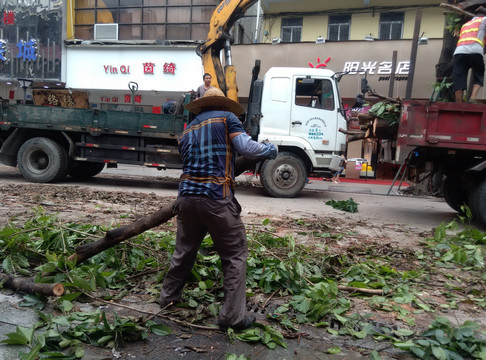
<point x="443" y="146"/>
<point x="47" y="143"/>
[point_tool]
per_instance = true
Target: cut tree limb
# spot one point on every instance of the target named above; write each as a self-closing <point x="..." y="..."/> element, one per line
<point x="361" y="290"/>
<point x="347" y="132"/>
<point x="27" y="285"/>
<point x="355" y="136"/>
<point x="383" y="130"/>
<point x="457" y="9"/>
<point x="117" y="235"/>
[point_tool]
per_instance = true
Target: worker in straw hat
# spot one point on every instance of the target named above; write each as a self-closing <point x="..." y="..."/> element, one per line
<point x="206" y="202"/>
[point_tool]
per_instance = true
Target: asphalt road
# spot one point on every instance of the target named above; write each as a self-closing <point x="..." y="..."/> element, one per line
<point x="378" y="213"/>
<point x="375" y="207"/>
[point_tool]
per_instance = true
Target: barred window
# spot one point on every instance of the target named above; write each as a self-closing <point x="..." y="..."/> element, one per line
<point x="338" y="29"/>
<point x="291" y="29"/>
<point x="146" y="19"/>
<point x="391" y="25"/>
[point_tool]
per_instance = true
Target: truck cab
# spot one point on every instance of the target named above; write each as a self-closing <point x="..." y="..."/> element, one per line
<point x="299" y="110"/>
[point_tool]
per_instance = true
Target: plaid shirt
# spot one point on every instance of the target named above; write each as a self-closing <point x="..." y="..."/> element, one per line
<point x="209" y="157"/>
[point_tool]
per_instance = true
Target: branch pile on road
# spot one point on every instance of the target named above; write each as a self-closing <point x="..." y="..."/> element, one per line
<point x="365" y="289"/>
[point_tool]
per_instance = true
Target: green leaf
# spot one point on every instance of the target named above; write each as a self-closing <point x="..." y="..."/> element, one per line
<point x="22" y="336"/>
<point x="65" y="306"/>
<point x="79" y="352"/>
<point x="374" y="355"/>
<point x="81" y="283"/>
<point x="104" y="339"/>
<point x="7" y="265"/>
<point x="160" y="329"/>
<point x="439" y="353"/>
<point x="33" y="354"/>
<point x="404" y="332"/>
<point x="404" y="345"/>
<point x="334" y="350"/>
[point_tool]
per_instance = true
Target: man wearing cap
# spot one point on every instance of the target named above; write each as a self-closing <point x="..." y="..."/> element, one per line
<point x="469" y="55"/>
<point x="206" y="202"/>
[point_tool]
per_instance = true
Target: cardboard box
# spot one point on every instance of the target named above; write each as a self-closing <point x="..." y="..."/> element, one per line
<point x="351" y="171"/>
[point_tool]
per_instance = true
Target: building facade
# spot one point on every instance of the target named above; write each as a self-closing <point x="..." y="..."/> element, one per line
<point x="100" y="46"/>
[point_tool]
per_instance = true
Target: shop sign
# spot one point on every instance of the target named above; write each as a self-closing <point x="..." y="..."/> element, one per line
<point x="127" y="99"/>
<point x="375" y="67"/>
<point x="148" y="68"/>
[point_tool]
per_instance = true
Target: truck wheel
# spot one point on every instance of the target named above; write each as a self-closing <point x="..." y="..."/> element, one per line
<point x="85" y="169"/>
<point x="42" y="160"/>
<point x="477" y="202"/>
<point x="454" y="193"/>
<point x="283" y="176"/>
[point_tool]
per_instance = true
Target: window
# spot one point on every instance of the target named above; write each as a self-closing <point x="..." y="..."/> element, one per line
<point x="391" y="25"/>
<point x="291" y="29"/>
<point x="339" y="26"/>
<point x="146" y="19"/>
<point x="315" y="93"/>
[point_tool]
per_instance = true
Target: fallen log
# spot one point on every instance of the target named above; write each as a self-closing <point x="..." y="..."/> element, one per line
<point x="117" y="235"/>
<point x="27" y="285"/>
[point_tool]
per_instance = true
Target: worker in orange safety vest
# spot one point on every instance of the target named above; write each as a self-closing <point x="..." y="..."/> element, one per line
<point x="469" y="55"/>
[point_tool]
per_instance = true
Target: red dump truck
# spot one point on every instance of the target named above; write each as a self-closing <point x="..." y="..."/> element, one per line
<point x="442" y="149"/>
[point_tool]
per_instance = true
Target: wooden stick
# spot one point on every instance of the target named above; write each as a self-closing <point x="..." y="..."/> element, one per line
<point x="27" y="285"/>
<point x="361" y="290"/>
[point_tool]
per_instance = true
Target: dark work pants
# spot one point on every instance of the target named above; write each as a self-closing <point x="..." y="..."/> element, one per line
<point x="197" y="216"/>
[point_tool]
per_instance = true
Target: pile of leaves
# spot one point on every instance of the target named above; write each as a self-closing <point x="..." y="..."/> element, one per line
<point x="387" y="110"/>
<point x="345" y="205"/>
<point x="310" y="285"/>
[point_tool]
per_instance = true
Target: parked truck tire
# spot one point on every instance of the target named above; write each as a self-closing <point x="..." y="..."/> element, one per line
<point x="85" y="169"/>
<point x="477" y="202"/>
<point x="42" y="160"/>
<point x="454" y="193"/>
<point x="283" y="176"/>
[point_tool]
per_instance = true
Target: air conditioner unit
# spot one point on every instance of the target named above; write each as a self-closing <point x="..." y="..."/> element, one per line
<point x="106" y="32"/>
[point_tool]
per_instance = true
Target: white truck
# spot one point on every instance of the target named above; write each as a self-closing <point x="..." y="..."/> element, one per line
<point x="300" y="111"/>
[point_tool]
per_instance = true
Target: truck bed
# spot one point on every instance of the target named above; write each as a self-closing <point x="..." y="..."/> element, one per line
<point x="443" y="125"/>
<point x="95" y="122"/>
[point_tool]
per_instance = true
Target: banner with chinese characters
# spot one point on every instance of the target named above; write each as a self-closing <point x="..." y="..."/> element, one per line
<point x="30" y="40"/>
<point x="158" y="68"/>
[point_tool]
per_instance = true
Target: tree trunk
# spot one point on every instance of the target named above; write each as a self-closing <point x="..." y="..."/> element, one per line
<point x="27" y="285"/>
<point x="383" y="130"/>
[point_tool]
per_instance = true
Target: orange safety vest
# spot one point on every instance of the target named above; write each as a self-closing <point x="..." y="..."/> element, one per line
<point x="469" y="33"/>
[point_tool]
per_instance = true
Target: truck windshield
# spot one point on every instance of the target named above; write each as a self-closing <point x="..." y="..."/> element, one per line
<point x="315" y="93"/>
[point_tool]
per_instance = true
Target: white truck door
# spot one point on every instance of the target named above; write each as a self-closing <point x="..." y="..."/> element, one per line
<point x="314" y="112"/>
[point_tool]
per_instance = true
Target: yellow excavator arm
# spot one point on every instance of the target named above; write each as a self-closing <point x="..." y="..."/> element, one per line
<point x="222" y="20"/>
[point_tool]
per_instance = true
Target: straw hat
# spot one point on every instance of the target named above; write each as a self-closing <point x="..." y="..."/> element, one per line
<point x="214" y="99"/>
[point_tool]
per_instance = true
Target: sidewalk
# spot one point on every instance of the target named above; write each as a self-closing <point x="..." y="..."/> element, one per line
<point x="360" y="186"/>
<point x="363" y="186"/>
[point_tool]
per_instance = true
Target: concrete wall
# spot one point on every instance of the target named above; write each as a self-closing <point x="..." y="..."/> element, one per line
<point x="364" y="19"/>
